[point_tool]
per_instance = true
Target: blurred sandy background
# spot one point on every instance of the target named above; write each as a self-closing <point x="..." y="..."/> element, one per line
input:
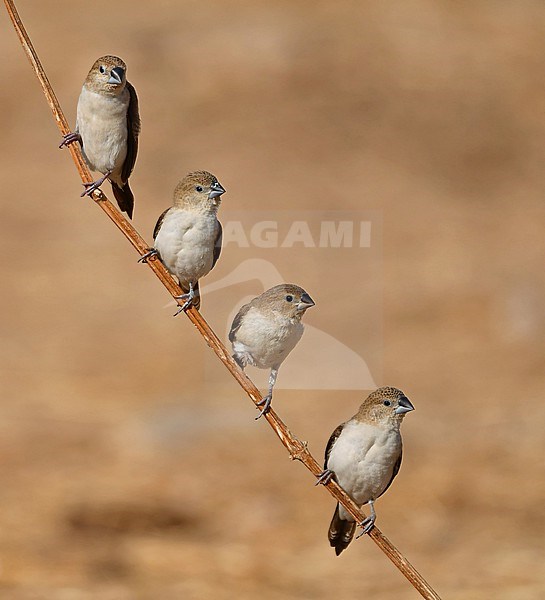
<point x="121" y="476"/>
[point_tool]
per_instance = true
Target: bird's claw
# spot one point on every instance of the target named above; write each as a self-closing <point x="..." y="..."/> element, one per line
<point x="325" y="477"/>
<point x="89" y="189"/>
<point x="145" y="257"/>
<point x="69" y="138"/>
<point x="93" y="186"/>
<point x="367" y="524"/>
<point x="266" y="404"/>
<point x="188" y="302"/>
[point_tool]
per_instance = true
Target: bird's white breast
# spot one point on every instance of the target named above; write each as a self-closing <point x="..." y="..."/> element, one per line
<point x="267" y="339"/>
<point x="363" y="458"/>
<point x="186" y="242"/>
<point x="102" y="125"/>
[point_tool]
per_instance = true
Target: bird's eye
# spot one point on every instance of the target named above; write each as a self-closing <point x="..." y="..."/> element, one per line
<point x="199" y="188"/>
<point x="102" y="69"/>
<point x="387" y="403"/>
<point x="289" y="298"/>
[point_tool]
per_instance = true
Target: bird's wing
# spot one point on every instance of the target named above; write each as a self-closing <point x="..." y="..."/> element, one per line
<point x="237" y="321"/>
<point x="394" y="472"/>
<point x="217" y="244"/>
<point x="334" y="437"/>
<point x="160" y="222"/>
<point x="133" y="130"/>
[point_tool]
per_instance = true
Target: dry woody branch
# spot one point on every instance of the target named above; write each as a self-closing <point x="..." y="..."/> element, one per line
<point x="296" y="448"/>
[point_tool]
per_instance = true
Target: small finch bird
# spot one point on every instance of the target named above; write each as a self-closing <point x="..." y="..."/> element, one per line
<point x="363" y="455"/>
<point x="188" y="234"/>
<point x="107" y="127"/>
<point x="267" y="329"/>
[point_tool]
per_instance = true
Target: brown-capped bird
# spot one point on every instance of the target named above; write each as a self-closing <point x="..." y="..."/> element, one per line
<point x="363" y="455"/>
<point x="107" y="127"/>
<point x="188" y="234"/>
<point x="267" y="329"/>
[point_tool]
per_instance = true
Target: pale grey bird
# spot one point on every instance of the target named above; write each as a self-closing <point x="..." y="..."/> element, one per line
<point x="107" y="127"/>
<point x="363" y="455"/>
<point x="188" y="234"/>
<point x="267" y="329"/>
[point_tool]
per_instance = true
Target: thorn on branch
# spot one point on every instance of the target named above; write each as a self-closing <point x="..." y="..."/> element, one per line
<point x="298" y="450"/>
<point x="98" y="196"/>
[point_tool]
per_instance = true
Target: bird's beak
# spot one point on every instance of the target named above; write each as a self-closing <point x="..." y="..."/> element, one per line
<point x="405" y="406"/>
<point x="216" y="190"/>
<point x="116" y="75"/>
<point x="306" y="302"/>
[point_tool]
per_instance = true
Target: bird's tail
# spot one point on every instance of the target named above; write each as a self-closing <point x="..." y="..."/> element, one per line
<point x="124" y="198"/>
<point x="340" y="532"/>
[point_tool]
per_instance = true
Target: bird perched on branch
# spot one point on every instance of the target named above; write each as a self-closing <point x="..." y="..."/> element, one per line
<point x="107" y="127"/>
<point x="188" y="234"/>
<point x="267" y="329"/>
<point x="363" y="455"/>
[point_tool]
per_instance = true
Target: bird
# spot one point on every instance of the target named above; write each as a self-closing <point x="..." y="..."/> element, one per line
<point x="107" y="128"/>
<point x="267" y="329"/>
<point x="363" y="455"/>
<point x="351" y="370"/>
<point x="188" y="234"/>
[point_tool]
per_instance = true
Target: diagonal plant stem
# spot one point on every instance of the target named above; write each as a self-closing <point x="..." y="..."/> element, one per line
<point x="297" y="449"/>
